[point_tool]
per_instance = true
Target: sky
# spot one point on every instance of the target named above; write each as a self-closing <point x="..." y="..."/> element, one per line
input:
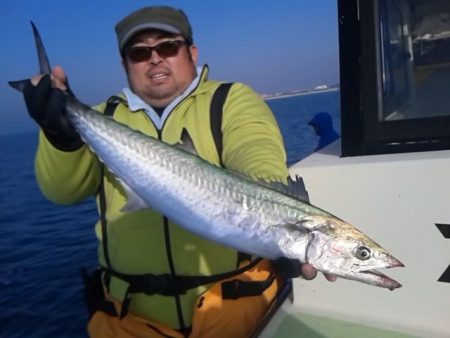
<point x="273" y="46"/>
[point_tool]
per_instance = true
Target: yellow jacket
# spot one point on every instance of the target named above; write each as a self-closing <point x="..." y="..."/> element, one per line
<point x="140" y="242"/>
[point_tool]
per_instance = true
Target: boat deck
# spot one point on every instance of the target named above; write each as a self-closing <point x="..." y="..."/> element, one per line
<point x="298" y="324"/>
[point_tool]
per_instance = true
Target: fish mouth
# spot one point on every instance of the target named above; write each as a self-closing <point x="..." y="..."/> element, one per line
<point x="375" y="277"/>
<point x="379" y="279"/>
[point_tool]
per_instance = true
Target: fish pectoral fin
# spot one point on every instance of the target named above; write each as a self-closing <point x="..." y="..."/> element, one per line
<point x="134" y="201"/>
<point x="186" y="143"/>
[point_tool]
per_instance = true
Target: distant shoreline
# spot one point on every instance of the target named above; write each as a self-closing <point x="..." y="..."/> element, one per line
<point x="281" y="96"/>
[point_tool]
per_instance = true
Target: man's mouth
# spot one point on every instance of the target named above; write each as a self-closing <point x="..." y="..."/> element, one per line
<point x="158" y="76"/>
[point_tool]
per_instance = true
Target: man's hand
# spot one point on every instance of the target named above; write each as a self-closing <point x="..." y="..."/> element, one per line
<point x="309" y="272"/>
<point x="45" y="97"/>
<point x="292" y="268"/>
<point x="58" y="78"/>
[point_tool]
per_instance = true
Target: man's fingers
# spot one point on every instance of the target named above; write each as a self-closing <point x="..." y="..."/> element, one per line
<point x="330" y="278"/>
<point x="35" y="79"/>
<point x="59" y="74"/>
<point x="308" y="271"/>
<point x="58" y="77"/>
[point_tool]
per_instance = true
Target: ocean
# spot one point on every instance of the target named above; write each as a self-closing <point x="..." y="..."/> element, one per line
<point x="43" y="246"/>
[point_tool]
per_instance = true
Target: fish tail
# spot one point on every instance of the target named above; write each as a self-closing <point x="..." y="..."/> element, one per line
<point x="44" y="64"/>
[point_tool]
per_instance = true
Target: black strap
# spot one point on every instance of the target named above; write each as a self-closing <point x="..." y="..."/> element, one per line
<point x="171" y="285"/>
<point x="215" y="118"/>
<point x="102" y="201"/>
<point x="168" y="242"/>
<point x="96" y="300"/>
<point x="236" y="288"/>
<point x="110" y="108"/>
<point x="242" y="257"/>
<point x="112" y="104"/>
<point x="175" y="285"/>
<point x="94" y="295"/>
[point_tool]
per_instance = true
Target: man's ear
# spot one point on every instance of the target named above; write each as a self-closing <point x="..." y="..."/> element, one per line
<point x="194" y="53"/>
<point x="125" y="65"/>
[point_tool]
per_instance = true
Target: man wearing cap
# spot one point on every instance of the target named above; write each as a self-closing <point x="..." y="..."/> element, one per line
<point x="142" y="254"/>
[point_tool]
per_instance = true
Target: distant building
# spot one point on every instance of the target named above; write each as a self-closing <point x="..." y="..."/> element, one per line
<point x="321" y="87"/>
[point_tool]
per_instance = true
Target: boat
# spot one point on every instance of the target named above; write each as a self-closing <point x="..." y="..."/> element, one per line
<point x="389" y="175"/>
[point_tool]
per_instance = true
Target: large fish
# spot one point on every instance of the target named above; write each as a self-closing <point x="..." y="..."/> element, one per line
<point x="270" y="221"/>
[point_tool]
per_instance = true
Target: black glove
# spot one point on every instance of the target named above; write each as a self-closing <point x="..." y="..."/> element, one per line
<point x="47" y="106"/>
<point x="287" y="268"/>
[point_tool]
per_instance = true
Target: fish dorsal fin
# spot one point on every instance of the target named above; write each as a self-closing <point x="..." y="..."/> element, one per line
<point x="186" y="143"/>
<point x="295" y="188"/>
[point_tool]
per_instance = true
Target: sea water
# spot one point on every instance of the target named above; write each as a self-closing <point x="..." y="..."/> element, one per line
<point x="43" y="246"/>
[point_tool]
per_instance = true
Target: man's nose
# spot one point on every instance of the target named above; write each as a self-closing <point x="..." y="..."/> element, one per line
<point x="155" y="58"/>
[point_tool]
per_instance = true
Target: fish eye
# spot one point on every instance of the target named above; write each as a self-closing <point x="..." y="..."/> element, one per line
<point x="363" y="253"/>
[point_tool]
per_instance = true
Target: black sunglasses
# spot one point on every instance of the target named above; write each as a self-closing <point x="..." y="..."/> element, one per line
<point x="164" y="49"/>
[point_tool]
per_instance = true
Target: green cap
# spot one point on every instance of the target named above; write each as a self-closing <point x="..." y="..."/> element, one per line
<point x="164" y="18"/>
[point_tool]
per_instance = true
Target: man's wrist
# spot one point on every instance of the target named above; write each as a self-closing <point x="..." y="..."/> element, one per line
<point x="64" y="143"/>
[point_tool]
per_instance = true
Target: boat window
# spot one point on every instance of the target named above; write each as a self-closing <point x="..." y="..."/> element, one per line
<point x="395" y="75"/>
<point x="415" y="49"/>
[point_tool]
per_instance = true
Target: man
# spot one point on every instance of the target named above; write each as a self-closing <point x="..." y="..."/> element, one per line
<point x="323" y="127"/>
<point x="167" y="94"/>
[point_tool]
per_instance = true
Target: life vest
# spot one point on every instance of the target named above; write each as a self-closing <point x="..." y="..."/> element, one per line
<point x="172" y="284"/>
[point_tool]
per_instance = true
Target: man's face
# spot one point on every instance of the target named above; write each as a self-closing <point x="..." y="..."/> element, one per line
<point x="159" y="79"/>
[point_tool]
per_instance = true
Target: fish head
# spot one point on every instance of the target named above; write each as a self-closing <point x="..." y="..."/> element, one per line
<point x="336" y="247"/>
